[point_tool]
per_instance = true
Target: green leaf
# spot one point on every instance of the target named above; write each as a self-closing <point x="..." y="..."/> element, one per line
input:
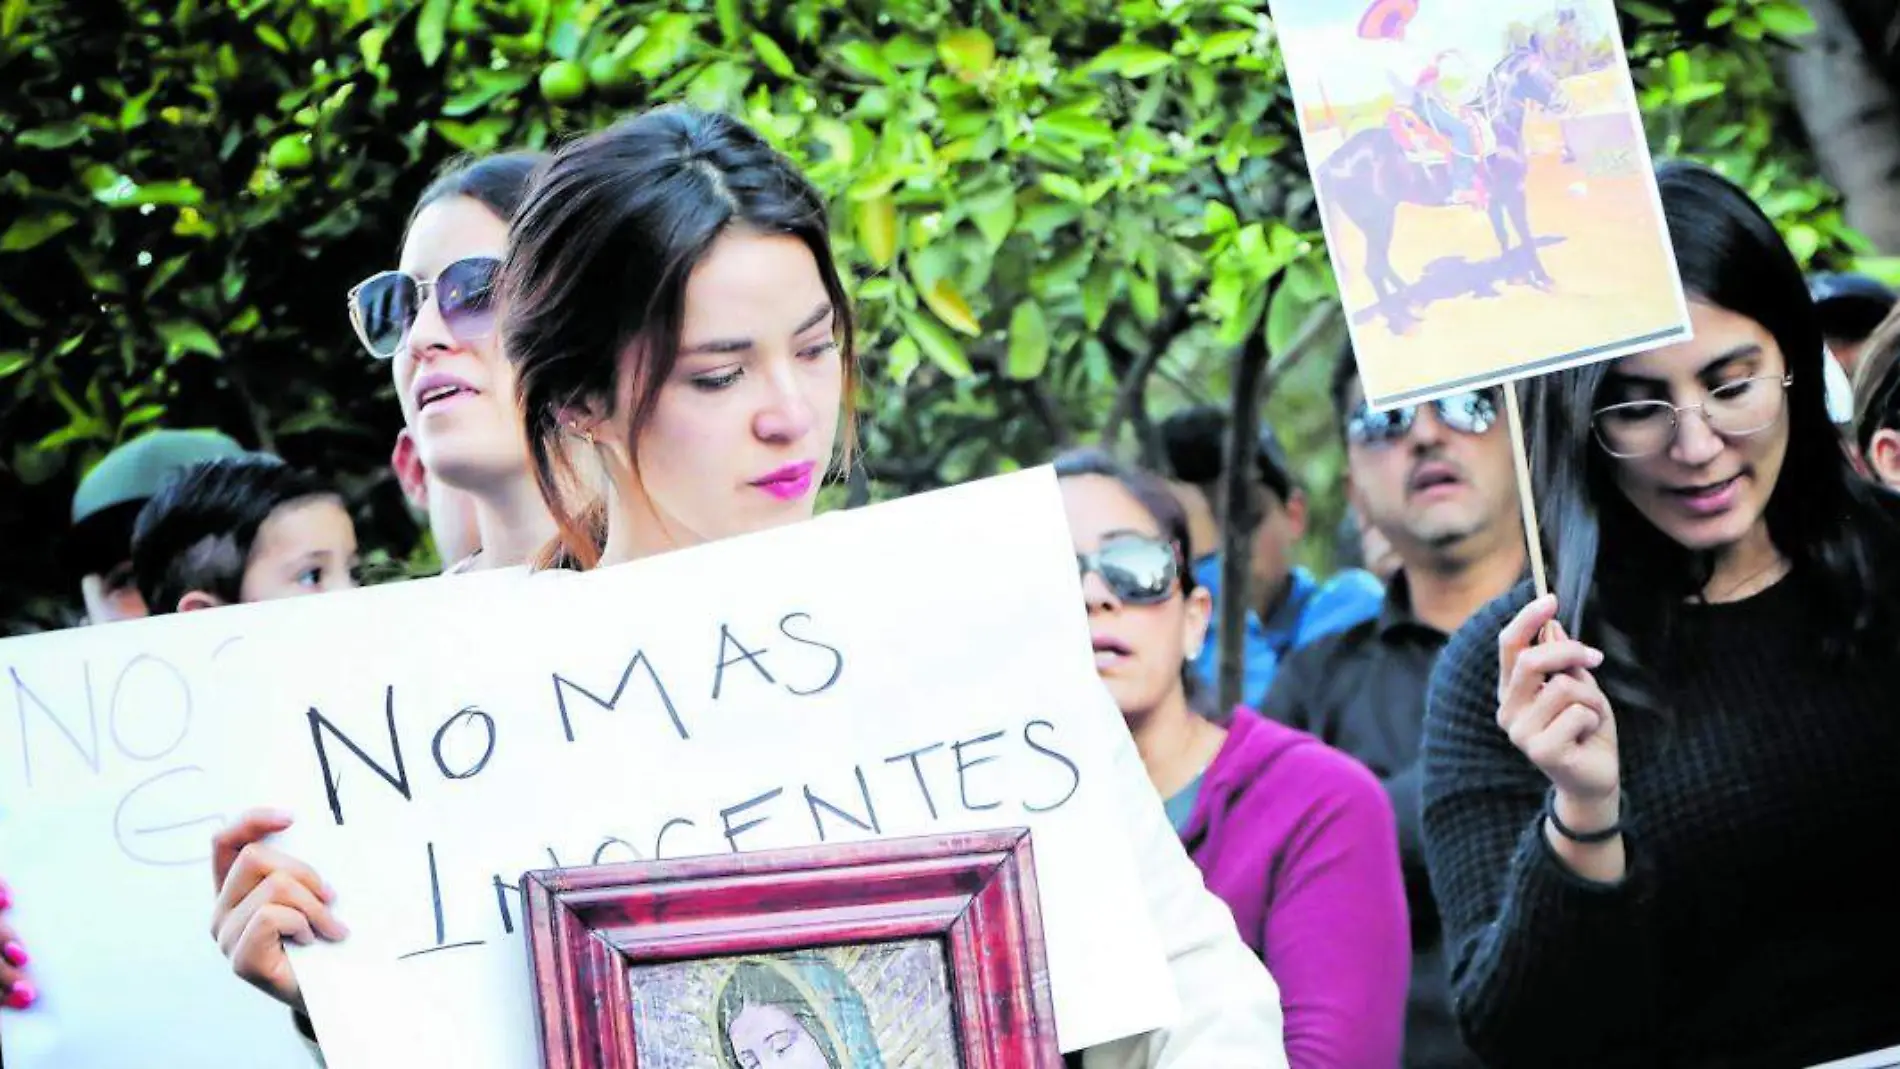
<point x="51" y="137"/>
<point x="1285" y="312"/>
<point x="1721" y="17"/>
<point x="1223" y="45"/>
<point x="30" y="231"/>
<point x="968" y="51"/>
<point x="12" y="363"/>
<point x="938" y="344"/>
<point x="1218" y="218"/>
<point x="1061" y="185"/>
<point x="1144" y="296"/>
<point x="995" y="220"/>
<point x="11" y="17"/>
<point x="1788" y="20"/>
<point x="731" y="19"/>
<point x="1097" y="289"/>
<point x="904" y="356"/>
<point x="371" y="44"/>
<point x="1133" y="60"/>
<point x="905" y="51"/>
<point x="772" y="56"/>
<point x="943" y="298"/>
<point x="1081" y="129"/>
<point x="269" y="35"/>
<point x="1647" y="12"/>
<point x="184" y="336"/>
<point x="877" y="229"/>
<point x="1028" y="341"/>
<point x="430" y="28"/>
<point x="866" y="57"/>
<point x="665" y="43"/>
<point x="140" y="416"/>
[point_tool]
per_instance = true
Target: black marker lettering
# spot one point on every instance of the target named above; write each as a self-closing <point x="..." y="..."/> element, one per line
<point x="319" y="723"/>
<point x="659" y="841"/>
<point x="725" y="816"/>
<point x="918" y="769"/>
<point x="837" y="658"/>
<point x="502" y="891"/>
<point x="639" y="661"/>
<point x="21" y="692"/>
<point x="963" y="781"/>
<point x="435" y="895"/>
<point x="601" y="850"/>
<point x="488" y="748"/>
<point x="870" y="821"/>
<point x="170" y="743"/>
<point x="1075" y="774"/>
<point x="749" y="656"/>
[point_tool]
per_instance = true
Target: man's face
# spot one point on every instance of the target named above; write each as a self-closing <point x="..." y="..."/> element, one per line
<point x="112" y="596"/>
<point x="1433" y="488"/>
<point x="1282" y="525"/>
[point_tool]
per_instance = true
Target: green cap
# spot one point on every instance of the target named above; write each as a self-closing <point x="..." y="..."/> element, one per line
<point x="138" y="469"/>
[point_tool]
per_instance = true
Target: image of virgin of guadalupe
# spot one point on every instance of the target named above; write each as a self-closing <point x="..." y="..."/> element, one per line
<point x="796" y="1011"/>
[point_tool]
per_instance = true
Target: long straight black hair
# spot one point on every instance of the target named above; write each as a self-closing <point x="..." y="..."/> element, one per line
<point x="1621" y="582"/>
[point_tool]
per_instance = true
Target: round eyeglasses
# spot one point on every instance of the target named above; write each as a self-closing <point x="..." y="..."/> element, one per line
<point x="1636" y="429"/>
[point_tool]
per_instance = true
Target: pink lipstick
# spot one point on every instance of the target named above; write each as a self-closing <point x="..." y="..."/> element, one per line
<point x="788" y="483"/>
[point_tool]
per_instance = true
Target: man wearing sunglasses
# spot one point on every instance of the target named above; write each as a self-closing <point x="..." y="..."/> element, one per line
<point x="1287" y="606"/>
<point x="1436" y="480"/>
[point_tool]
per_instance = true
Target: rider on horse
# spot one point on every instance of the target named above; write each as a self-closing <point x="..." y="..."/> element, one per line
<point x="1428" y="99"/>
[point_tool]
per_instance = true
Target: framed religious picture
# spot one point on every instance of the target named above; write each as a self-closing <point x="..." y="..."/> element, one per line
<point x="901" y="954"/>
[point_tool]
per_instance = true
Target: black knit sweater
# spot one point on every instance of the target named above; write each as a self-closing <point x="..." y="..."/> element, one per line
<point x="1758" y="923"/>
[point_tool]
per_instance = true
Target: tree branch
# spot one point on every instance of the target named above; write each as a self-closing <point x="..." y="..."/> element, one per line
<point x="1129" y="397"/>
<point x="1238" y="508"/>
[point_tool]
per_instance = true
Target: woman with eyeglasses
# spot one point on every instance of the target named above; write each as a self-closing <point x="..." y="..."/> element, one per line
<point x="681" y="335"/>
<point x="433" y="319"/>
<point x="1657" y="832"/>
<point x="1297" y="838"/>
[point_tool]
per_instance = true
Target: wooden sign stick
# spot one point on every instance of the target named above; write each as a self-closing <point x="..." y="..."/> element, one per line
<point x="1533" y="541"/>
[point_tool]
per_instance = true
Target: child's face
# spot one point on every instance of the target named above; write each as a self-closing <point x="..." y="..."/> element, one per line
<point x="305" y="547"/>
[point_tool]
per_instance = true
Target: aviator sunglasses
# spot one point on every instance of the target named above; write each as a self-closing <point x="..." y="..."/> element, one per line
<point x="384" y="306"/>
<point x="1141" y="571"/>
<point x="1471" y="412"/>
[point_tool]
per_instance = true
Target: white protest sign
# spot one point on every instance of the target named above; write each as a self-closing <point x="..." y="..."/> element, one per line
<point x="108" y="743"/>
<point x="912" y="668"/>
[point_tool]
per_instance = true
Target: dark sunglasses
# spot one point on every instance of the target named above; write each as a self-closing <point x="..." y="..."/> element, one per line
<point x="384" y="306"/>
<point x="1141" y="571"/>
<point x="1472" y="412"/>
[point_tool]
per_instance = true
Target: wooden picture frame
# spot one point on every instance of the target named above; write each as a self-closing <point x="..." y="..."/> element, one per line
<point x="794" y="917"/>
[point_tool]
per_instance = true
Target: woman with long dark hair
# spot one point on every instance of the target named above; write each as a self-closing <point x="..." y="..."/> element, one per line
<point x="1653" y="832"/>
<point x="676" y="321"/>
<point x="433" y="317"/>
<point x="1296" y="837"/>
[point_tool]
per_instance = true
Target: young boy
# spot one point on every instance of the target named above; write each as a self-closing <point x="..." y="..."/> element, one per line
<point x="242" y="529"/>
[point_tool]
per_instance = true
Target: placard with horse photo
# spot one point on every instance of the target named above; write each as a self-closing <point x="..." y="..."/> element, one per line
<point x="1484" y="185"/>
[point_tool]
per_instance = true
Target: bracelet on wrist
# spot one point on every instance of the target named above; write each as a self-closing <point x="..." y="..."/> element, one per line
<point x="1587" y="838"/>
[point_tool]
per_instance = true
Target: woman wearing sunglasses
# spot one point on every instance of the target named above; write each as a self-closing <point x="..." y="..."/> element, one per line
<point x="681" y="335"/>
<point x="1661" y="842"/>
<point x="433" y="319"/>
<point x="1297" y="838"/>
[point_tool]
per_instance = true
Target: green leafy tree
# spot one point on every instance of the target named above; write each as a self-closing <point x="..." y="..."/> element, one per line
<point x="1059" y="219"/>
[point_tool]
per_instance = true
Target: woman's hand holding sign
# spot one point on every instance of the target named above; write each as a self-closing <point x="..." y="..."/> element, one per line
<point x="1556" y="715"/>
<point x="264" y="898"/>
<point x="16" y="991"/>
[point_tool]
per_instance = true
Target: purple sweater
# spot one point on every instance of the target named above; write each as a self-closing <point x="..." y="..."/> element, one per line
<point x="1299" y="840"/>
